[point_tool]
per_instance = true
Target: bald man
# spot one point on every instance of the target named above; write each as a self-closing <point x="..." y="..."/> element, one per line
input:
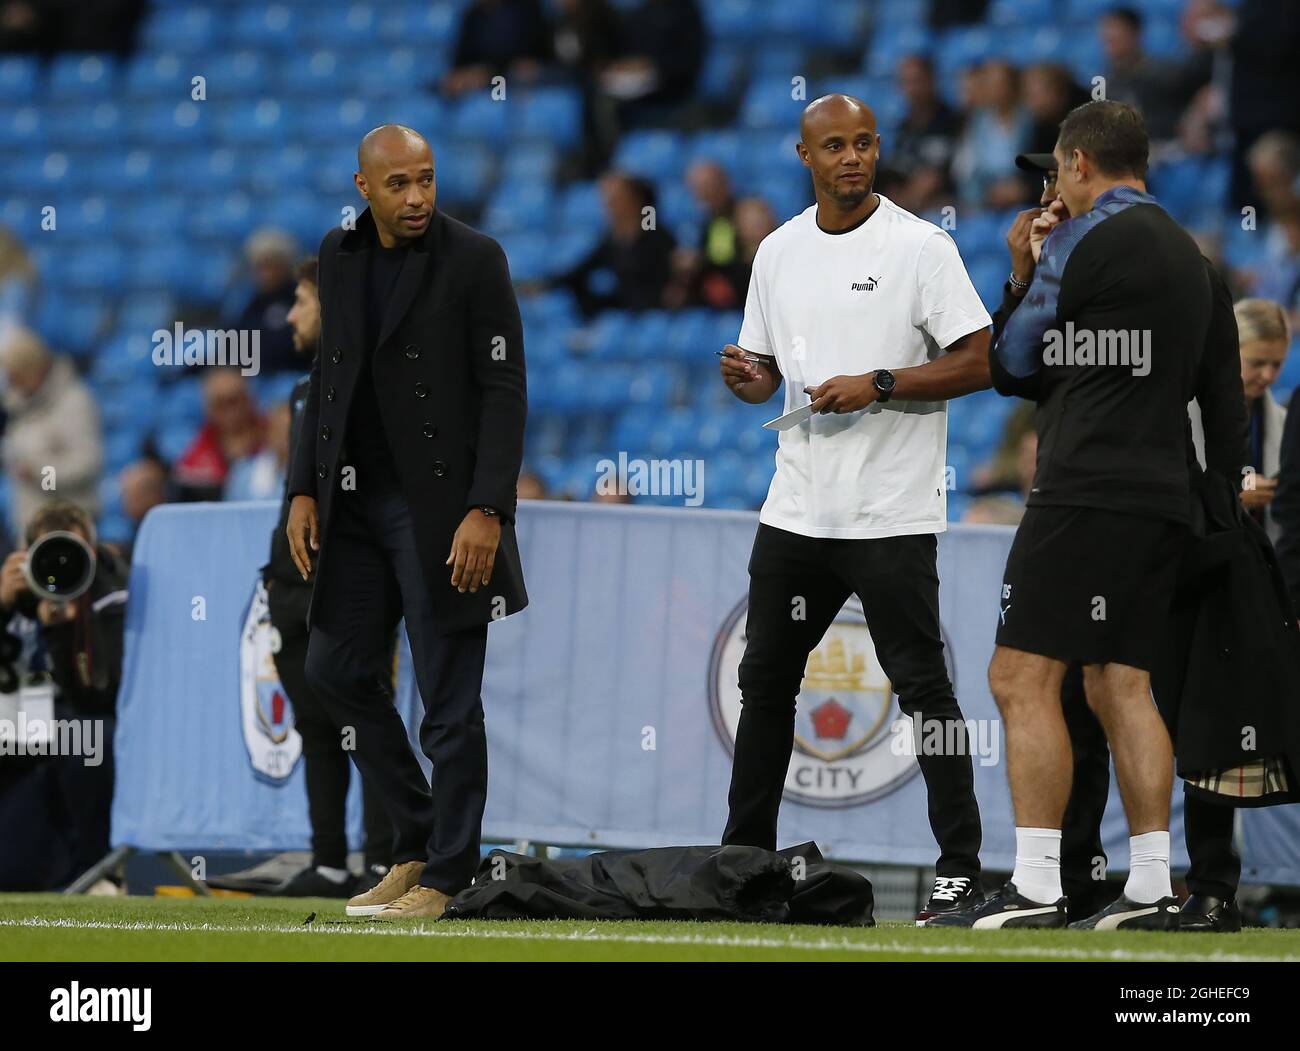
<point x="869" y="314"/>
<point x="403" y="504"/>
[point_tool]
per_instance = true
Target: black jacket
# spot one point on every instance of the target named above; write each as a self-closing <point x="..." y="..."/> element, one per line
<point x="1111" y="436"/>
<point x="794" y="885"/>
<point x="450" y="362"/>
<point x="1229" y="688"/>
<point x="280" y="568"/>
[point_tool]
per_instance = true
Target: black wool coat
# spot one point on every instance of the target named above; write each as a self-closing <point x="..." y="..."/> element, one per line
<point x="1229" y="684"/>
<point x="450" y="376"/>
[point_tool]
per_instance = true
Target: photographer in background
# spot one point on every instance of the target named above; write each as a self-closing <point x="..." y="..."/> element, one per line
<point x="54" y="810"/>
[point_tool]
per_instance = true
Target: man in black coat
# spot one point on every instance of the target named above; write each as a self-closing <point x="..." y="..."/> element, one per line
<point x="404" y="496"/>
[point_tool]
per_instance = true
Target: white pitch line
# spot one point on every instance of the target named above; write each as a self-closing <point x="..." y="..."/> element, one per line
<point x="821" y="945"/>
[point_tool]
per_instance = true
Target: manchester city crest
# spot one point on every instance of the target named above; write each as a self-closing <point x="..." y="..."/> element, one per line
<point x="845" y="719"/>
<point x="273" y="743"/>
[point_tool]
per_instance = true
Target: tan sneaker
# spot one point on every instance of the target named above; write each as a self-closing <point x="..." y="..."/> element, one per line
<point x="418" y="903"/>
<point x="399" y="880"/>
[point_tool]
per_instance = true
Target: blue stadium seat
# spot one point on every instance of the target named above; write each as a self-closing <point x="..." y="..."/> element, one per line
<point x="771" y="104"/>
<point x="319" y="73"/>
<point x="19" y="75"/>
<point x="74" y="75"/>
<point x="166" y="124"/>
<point x="651" y="154"/>
<point x="423" y="25"/>
<point x="479" y="116"/>
<point x="273" y="26"/>
<point x="21" y="128"/>
<point x="231" y="74"/>
<point x="891" y="41"/>
<point x="252" y="122"/>
<point x="553" y="115"/>
<point x="581" y="206"/>
<point x="193" y="29"/>
<point x="159" y="74"/>
<point x="734" y="19"/>
<point x="519" y="206"/>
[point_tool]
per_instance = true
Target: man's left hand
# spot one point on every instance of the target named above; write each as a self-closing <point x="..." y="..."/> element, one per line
<point x="474" y="550"/>
<point x="844" y="393"/>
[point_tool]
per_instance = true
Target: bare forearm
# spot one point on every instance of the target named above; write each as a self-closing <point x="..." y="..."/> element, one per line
<point x="962" y="370"/>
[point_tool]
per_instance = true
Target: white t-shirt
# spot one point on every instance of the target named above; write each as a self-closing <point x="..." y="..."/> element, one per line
<point x="887" y="295"/>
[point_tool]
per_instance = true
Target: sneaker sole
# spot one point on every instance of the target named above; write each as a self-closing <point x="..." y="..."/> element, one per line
<point x="366" y="910"/>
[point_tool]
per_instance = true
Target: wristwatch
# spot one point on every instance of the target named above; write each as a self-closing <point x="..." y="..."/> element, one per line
<point x="884" y="381"/>
<point x="491" y="512"/>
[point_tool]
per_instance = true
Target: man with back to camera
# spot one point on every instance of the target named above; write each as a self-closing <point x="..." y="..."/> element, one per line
<point x="869" y="313"/>
<point x="413" y="434"/>
<point x="1108" y="342"/>
<point x="1208" y="828"/>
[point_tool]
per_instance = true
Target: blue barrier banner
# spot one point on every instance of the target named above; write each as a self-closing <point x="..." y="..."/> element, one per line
<point x="611" y="701"/>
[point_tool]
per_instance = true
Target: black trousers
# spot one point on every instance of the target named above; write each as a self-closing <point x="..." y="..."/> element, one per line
<point x="1215" y="867"/>
<point x="896" y="581"/>
<point x="325" y="763"/>
<point x="374" y="580"/>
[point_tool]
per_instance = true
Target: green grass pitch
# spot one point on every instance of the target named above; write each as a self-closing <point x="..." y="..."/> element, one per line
<point x="55" y="927"/>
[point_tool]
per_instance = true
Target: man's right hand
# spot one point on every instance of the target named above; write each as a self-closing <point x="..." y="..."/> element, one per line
<point x="1022" y="259"/>
<point x="746" y="380"/>
<point x="13" y="579"/>
<point x="1044" y="224"/>
<point x="303" y="530"/>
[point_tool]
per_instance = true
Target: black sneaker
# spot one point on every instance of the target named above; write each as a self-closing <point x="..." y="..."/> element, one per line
<point x="1006" y="908"/>
<point x="1126" y="915"/>
<point x="1207" y="914"/>
<point x="369" y="878"/>
<point x="311" y="883"/>
<point x="950" y="894"/>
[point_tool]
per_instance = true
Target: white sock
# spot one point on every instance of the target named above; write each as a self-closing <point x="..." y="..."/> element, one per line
<point x="1148" y="868"/>
<point x="333" y="875"/>
<point x="1038" y="864"/>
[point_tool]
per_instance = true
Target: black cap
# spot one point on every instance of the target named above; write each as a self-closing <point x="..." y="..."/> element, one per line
<point x="1036" y="162"/>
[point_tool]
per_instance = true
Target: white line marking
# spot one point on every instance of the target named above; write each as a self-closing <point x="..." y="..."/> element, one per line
<point x="451" y="929"/>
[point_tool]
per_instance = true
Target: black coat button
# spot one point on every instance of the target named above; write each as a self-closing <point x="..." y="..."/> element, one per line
<point x="439" y="468"/>
<point x="325" y="432"/>
<point x="337" y="356"/>
<point x="412" y="351"/>
<point x="421" y="391"/>
<point x="329" y="393"/>
<point x="322" y="470"/>
<point x="429" y="430"/>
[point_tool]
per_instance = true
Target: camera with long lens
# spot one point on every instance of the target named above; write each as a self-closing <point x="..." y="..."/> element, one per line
<point x="60" y="566"/>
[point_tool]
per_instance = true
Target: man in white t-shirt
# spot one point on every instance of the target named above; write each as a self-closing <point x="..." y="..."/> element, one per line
<point x="867" y="312"/>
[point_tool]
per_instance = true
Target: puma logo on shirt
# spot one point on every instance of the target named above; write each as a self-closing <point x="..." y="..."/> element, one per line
<point x="869" y="285"/>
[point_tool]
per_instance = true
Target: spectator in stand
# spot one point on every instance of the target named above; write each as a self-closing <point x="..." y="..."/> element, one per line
<point x="270" y="255"/>
<point x="925" y="141"/>
<point x="998" y="128"/>
<point x="144" y="486"/>
<point x="584" y="41"/>
<point x="1264" y="81"/>
<point x="509" y="38"/>
<point x="18" y="283"/>
<point x="1160" y="89"/>
<point x="1274" y="163"/>
<point x="660" y="53"/>
<point x="261" y="475"/>
<point x="52" y="446"/>
<point x="631" y="267"/>
<point x="705" y="273"/>
<point x="233" y="429"/>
